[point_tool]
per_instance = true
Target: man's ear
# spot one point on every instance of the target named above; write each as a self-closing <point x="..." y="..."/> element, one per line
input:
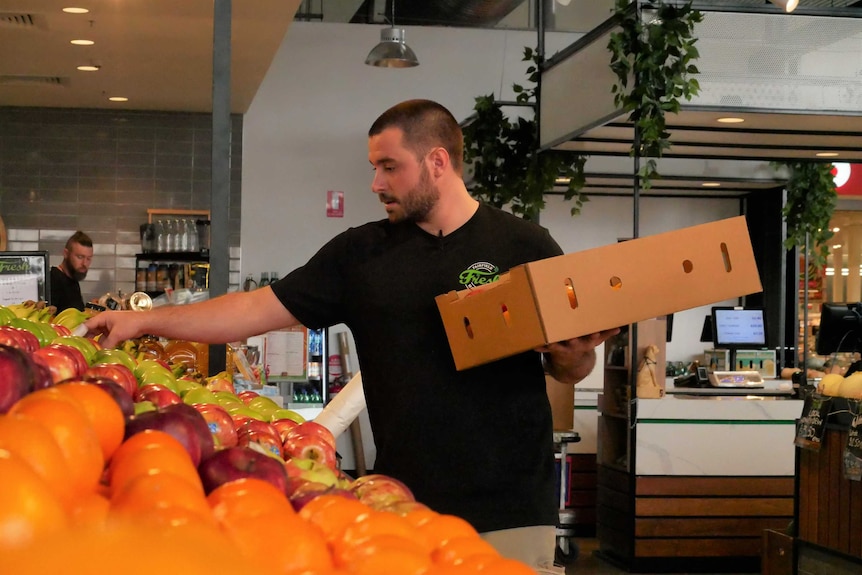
<point x="439" y="159"/>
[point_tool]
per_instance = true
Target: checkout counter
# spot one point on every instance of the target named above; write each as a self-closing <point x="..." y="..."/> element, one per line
<point x="691" y="479"/>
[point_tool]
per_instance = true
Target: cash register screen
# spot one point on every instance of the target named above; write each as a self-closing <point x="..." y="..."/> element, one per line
<point x="738" y="327"/>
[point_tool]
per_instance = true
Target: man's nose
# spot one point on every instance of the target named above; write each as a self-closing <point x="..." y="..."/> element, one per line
<point x="377" y="185"/>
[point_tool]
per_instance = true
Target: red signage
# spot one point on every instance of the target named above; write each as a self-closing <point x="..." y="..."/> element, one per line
<point x="334" y="204"/>
<point x="848" y="179"/>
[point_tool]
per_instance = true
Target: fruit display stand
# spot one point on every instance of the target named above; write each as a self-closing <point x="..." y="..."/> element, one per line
<point x="113" y="464"/>
<point x="829" y="513"/>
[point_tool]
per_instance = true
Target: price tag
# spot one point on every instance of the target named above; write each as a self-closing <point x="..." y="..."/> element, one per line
<point x="853" y="450"/>
<point x="812" y="424"/>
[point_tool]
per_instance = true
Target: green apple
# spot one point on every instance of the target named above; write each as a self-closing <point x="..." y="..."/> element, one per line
<point x="225" y="398"/>
<point x="36" y="328"/>
<point x="240" y="408"/>
<point x="199" y="394"/>
<point x="6" y="315"/>
<point x="84" y="345"/>
<point x="148" y="364"/>
<point x="186" y="385"/>
<point x="162" y="377"/>
<point x="114" y="356"/>
<point x="144" y="406"/>
<point x="265" y="405"/>
<point x="286" y="414"/>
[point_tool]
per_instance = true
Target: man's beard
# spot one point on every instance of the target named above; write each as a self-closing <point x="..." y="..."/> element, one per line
<point x="418" y="202"/>
<point x="76" y="275"/>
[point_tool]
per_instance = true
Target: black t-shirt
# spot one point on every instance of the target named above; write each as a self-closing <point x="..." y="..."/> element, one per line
<point x="65" y="291"/>
<point x="476" y="443"/>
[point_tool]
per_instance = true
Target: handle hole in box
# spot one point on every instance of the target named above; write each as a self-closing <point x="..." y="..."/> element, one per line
<point x="687" y="266"/>
<point x="468" y="328"/>
<point x="616" y="283"/>
<point x="570" y="293"/>
<point x="506" y="317"/>
<point x="725" y="254"/>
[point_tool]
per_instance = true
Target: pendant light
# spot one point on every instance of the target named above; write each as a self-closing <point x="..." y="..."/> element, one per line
<point x="392" y="51"/>
<point x="786" y="5"/>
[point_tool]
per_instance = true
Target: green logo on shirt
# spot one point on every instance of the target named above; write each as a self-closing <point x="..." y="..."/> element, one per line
<point x="479" y="273"/>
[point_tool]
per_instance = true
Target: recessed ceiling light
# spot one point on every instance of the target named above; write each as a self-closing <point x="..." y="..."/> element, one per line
<point x="711" y="185"/>
<point x="73" y="10"/>
<point x="82" y="42"/>
<point x="826" y="154"/>
<point x="836" y="230"/>
<point x="89" y="68"/>
<point x="730" y="120"/>
<point x="118" y="99"/>
<point x="836" y="246"/>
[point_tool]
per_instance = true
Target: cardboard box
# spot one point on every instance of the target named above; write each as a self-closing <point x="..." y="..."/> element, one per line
<point x="584" y="292"/>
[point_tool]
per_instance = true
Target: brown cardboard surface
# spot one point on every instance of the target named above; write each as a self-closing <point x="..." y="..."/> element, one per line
<point x="562" y="398"/>
<point x="588" y="291"/>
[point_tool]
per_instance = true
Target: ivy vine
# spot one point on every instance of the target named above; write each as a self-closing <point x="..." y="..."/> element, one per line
<point x="508" y="168"/>
<point x="655" y="49"/>
<point x="811" y="201"/>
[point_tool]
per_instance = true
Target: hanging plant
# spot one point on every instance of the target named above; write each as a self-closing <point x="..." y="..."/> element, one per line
<point x="811" y="200"/>
<point x="655" y="46"/>
<point x="508" y="168"/>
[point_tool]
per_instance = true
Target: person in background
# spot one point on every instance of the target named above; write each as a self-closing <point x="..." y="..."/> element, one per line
<point x="66" y="278"/>
<point x="476" y="443"/>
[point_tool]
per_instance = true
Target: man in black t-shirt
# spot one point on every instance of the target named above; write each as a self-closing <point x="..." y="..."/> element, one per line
<point x="65" y="278"/>
<point x="476" y="443"/>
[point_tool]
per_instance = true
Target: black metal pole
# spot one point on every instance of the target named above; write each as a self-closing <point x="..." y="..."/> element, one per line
<point x="221" y="140"/>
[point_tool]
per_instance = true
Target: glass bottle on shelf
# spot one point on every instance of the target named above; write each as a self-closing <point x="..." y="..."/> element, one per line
<point x="192" y="230"/>
<point x="264" y="279"/>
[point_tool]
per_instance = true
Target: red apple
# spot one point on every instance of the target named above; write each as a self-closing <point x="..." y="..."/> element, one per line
<point x="61" y="361"/>
<point x="314" y="428"/>
<point x="261" y="433"/>
<point x="116" y="391"/>
<point x="220" y="384"/>
<point x="116" y="372"/>
<point x="379" y="491"/>
<point x="199" y="426"/>
<point x="283" y="426"/>
<point x="301" y="491"/>
<point x="61" y="329"/>
<point x="247" y="395"/>
<point x="176" y="424"/>
<point x="220" y="424"/>
<point x="309" y="446"/>
<point x="16" y="376"/>
<point x="79" y="356"/>
<point x="20" y="338"/>
<point x="160" y="395"/>
<point x="237" y="462"/>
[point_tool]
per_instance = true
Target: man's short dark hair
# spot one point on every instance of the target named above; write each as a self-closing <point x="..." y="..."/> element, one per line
<point x="81" y="238"/>
<point x="426" y="125"/>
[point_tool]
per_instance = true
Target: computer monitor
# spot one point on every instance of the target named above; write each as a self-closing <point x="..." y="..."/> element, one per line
<point x="738" y="327"/>
<point x="840" y="328"/>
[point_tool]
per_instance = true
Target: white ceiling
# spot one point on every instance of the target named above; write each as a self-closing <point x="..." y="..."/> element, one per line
<point x="158" y="53"/>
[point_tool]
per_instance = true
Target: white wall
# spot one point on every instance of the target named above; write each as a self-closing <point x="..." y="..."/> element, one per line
<point x="306" y="133"/>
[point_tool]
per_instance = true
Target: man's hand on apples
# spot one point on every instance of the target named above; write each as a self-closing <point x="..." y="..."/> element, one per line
<point x="572" y="360"/>
<point x="115" y="326"/>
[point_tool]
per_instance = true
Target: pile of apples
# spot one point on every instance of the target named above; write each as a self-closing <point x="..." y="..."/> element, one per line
<point x="227" y="439"/>
<point x="228" y="434"/>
